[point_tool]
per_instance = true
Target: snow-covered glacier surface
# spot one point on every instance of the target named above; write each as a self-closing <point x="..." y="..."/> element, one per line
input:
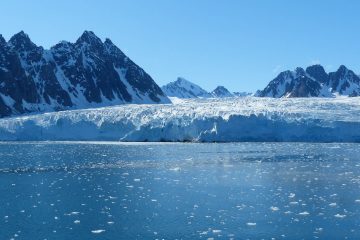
<point x="203" y="120"/>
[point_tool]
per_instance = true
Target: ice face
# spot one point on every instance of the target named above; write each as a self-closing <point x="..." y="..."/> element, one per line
<point x="201" y="120"/>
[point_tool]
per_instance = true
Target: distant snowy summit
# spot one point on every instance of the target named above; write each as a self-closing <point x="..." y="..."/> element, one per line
<point x="313" y="82"/>
<point x="87" y="73"/>
<point x="221" y="92"/>
<point x="183" y="88"/>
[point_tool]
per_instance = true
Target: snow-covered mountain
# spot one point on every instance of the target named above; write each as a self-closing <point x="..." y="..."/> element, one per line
<point x="87" y="73"/>
<point x="204" y="120"/>
<point x="221" y="92"/>
<point x="313" y="82"/>
<point x="183" y="88"/>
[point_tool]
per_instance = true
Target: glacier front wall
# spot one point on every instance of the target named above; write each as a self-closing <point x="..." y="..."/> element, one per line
<point x="206" y="120"/>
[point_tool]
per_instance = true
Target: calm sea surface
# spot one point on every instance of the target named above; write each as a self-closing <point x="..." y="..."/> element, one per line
<point x="59" y="190"/>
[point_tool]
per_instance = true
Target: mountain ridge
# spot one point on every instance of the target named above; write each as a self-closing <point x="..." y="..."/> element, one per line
<point x="182" y="88"/>
<point x="86" y="73"/>
<point x="314" y="81"/>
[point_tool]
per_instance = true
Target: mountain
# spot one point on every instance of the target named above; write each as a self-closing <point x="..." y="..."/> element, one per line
<point x="87" y="73"/>
<point x="183" y="88"/>
<point x="221" y="92"/>
<point x="313" y="82"/>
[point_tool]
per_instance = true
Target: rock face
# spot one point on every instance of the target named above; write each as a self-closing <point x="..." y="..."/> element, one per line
<point x="221" y="92"/>
<point x="183" y="88"/>
<point x="87" y="73"/>
<point x="313" y="82"/>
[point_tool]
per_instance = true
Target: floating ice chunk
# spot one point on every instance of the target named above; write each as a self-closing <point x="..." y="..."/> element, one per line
<point x="251" y="224"/>
<point x="291" y="195"/>
<point x="136" y="180"/>
<point x="332" y="204"/>
<point x="305" y="213"/>
<point x="77" y="221"/>
<point x="175" y="169"/>
<point x="274" y="209"/>
<point x="98" y="231"/>
<point x="216" y="231"/>
<point x="357" y="200"/>
<point x="72" y="213"/>
<point x="339" y="215"/>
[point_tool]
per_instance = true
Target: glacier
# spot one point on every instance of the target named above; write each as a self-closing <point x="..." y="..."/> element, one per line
<point x="197" y="120"/>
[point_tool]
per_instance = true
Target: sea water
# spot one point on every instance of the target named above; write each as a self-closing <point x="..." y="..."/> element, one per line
<point x="106" y="190"/>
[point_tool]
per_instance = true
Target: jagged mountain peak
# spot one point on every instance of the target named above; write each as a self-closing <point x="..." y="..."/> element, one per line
<point x="183" y="88"/>
<point x="181" y="80"/>
<point x="21" y="35"/>
<point x="342" y="68"/>
<point x="344" y="82"/>
<point x="62" y="45"/>
<point x="2" y="40"/>
<point x="313" y="82"/>
<point x="21" y="40"/>
<point x="70" y="75"/>
<point x="318" y="73"/>
<point x="221" y="92"/>
<point x="109" y="42"/>
<point x="317" y="67"/>
<point x="343" y="71"/>
<point x="90" y="38"/>
<point x="220" y="87"/>
<point x="299" y="71"/>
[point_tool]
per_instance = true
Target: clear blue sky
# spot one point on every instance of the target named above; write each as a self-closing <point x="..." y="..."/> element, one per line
<point x="239" y="44"/>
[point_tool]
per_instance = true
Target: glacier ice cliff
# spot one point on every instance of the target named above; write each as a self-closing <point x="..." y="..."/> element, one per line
<point x="198" y="120"/>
